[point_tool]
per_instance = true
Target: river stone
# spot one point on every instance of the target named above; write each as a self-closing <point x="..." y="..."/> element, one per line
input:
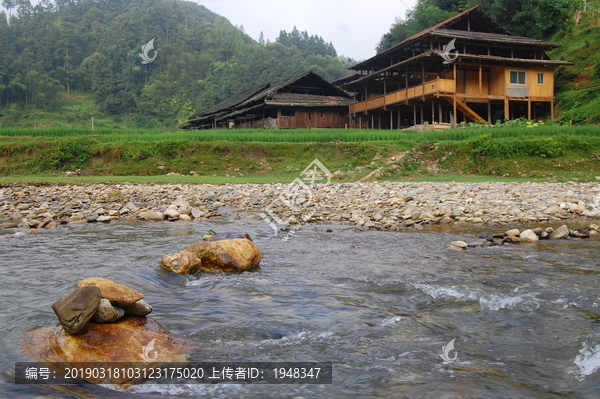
<point x="183" y="262"/>
<point x="196" y="213"/>
<point x="104" y="218"/>
<point x="561" y="232"/>
<point x="553" y="209"/>
<point x="153" y="216"/>
<point x="474" y="244"/>
<point x="581" y="233"/>
<point x="124" y="341"/>
<point x="460" y="244"/>
<point x="235" y="255"/>
<point x="486" y="236"/>
<point x="579" y="208"/>
<point x="171" y="213"/>
<point x="512" y="232"/>
<point x="512" y="239"/>
<point x="227" y="236"/>
<point x="140" y="308"/>
<point x="107" y="313"/>
<point x="528" y="236"/>
<point x="76" y="309"/>
<point x="112" y="291"/>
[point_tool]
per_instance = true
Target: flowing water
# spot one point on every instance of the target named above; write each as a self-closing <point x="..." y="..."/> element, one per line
<point x="379" y="305"/>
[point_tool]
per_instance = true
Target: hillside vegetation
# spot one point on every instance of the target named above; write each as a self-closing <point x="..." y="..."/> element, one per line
<point x="91" y="47"/>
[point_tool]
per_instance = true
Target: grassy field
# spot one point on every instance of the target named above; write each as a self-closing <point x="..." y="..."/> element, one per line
<point x="556" y="153"/>
<point x="302" y="135"/>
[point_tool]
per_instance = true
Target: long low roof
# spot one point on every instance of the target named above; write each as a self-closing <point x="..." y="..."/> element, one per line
<point x="306" y="100"/>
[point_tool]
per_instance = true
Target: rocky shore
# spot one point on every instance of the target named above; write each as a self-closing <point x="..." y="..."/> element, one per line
<point x="384" y="206"/>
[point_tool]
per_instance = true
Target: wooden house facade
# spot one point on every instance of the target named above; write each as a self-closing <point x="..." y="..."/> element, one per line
<point x="305" y="101"/>
<point x="467" y="68"/>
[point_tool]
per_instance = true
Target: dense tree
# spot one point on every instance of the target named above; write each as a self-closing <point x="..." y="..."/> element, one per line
<point x="93" y="46"/>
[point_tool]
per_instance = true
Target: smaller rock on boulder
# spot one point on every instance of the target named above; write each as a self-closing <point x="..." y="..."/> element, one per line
<point x="112" y="291"/>
<point x="140" y="308"/>
<point x="107" y="313"/>
<point x="76" y="309"/>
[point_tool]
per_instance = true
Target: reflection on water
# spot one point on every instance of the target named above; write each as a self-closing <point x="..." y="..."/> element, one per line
<point x="379" y="305"/>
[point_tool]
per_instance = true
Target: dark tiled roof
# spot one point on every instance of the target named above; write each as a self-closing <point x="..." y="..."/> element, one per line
<point x="490" y="37"/>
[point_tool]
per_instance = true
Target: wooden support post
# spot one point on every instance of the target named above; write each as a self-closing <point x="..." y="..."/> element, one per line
<point x="490" y="112"/>
<point x="440" y="115"/>
<point x="506" y="109"/>
<point x="432" y="112"/>
<point x="422" y="116"/>
<point x="415" y="115"/>
<point x="391" y="120"/>
<point x="529" y="108"/>
<point x="552" y="109"/>
<point x="399" y="119"/>
<point x="372" y="121"/>
<point x="480" y="81"/>
<point x="454" y="117"/>
<point x="379" y="121"/>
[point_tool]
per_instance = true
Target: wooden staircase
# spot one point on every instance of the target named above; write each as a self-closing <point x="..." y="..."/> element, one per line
<point x="466" y="110"/>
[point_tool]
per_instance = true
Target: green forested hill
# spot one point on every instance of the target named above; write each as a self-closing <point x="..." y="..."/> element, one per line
<point x="578" y="86"/>
<point x="91" y="47"/>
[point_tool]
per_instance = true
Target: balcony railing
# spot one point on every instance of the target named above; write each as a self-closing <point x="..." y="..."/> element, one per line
<point x="437" y="86"/>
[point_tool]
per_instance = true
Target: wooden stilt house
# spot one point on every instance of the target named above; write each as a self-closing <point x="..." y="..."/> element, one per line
<point x="305" y="101"/>
<point x="466" y="68"/>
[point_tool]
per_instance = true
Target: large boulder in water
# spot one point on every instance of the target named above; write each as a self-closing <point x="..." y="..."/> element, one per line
<point x="234" y="255"/>
<point x="126" y="341"/>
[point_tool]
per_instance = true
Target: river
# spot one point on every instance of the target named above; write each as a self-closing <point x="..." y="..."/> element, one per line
<point x="379" y="305"/>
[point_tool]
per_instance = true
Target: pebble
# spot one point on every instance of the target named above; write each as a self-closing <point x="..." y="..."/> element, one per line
<point x="107" y="313"/>
<point x="140" y="308"/>
<point x="377" y="205"/>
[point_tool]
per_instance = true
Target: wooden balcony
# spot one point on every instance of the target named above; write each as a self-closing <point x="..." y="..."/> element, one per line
<point x="433" y="87"/>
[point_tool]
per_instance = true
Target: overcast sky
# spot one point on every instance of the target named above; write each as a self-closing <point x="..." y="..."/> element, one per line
<point x="354" y="27"/>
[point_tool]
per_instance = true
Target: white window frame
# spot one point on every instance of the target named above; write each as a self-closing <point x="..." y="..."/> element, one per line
<point x="543" y="78"/>
<point x="518" y="74"/>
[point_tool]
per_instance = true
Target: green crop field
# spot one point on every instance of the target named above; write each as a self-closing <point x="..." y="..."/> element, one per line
<point x="540" y="153"/>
